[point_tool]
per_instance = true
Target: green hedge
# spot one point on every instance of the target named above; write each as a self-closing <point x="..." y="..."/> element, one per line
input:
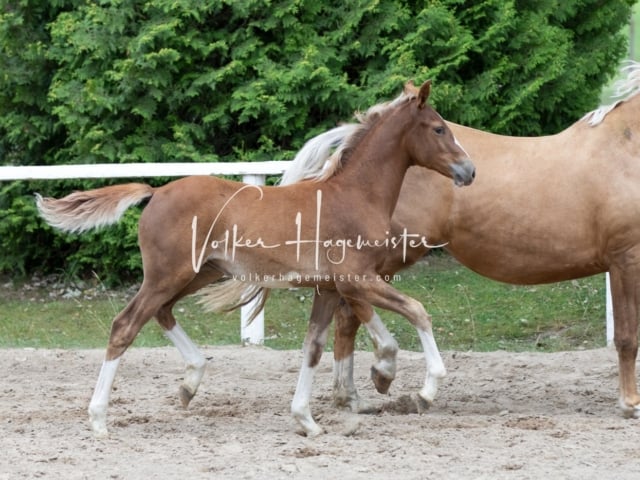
<point x="176" y="80"/>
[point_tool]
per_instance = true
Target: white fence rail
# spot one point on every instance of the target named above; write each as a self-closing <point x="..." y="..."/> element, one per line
<point x="132" y="170"/>
<point x="252" y="172"/>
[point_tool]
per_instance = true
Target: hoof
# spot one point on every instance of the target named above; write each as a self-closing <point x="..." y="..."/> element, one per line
<point x="98" y="422"/>
<point x="407" y="404"/>
<point x="381" y="382"/>
<point x="631" y="412"/>
<point x="99" y="428"/>
<point x="355" y="405"/>
<point x="309" y="427"/>
<point x="185" y="396"/>
<point x="313" y="432"/>
<point x="629" y="409"/>
<point x="422" y="405"/>
<point x="101" y="433"/>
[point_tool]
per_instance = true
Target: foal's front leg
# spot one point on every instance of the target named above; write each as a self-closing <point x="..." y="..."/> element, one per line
<point x="324" y="304"/>
<point x="383" y="295"/>
<point x="383" y="371"/>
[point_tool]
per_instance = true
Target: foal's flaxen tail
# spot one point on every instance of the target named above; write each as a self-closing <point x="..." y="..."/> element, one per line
<point x="82" y="211"/>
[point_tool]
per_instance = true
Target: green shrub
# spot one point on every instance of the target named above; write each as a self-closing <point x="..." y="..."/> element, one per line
<point x="227" y="80"/>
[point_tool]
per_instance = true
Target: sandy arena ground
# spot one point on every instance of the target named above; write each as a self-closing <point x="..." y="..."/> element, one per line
<point x="498" y="416"/>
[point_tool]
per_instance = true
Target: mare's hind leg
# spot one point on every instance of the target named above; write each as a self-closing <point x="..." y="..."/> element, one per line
<point x="324" y="304"/>
<point x="625" y="292"/>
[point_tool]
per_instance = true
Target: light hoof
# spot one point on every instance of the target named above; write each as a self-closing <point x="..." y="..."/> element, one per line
<point x="430" y="388"/>
<point x="98" y="423"/>
<point x="100" y="432"/>
<point x="631" y="412"/>
<point x="310" y="428"/>
<point x="381" y="381"/>
<point x="185" y="396"/>
<point x="314" y="432"/>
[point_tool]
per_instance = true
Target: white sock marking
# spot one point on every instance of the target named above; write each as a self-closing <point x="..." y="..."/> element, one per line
<point x="195" y="361"/>
<point x="100" y="398"/>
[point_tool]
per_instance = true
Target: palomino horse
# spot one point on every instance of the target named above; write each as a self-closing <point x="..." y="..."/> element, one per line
<point x="330" y="235"/>
<point x="543" y="210"/>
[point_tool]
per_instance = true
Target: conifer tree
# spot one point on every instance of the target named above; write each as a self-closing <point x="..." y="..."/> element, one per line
<point x="227" y="80"/>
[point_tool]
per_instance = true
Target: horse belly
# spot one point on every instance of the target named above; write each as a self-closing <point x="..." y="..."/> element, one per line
<point x="525" y="259"/>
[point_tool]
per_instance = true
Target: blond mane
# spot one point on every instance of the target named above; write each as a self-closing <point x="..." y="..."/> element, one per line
<point x="323" y="155"/>
<point x="627" y="87"/>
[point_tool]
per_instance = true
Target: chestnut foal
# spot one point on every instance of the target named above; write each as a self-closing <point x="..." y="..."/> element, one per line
<point x="332" y="234"/>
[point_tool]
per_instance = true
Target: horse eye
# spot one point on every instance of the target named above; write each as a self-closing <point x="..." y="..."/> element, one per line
<point x="439" y="130"/>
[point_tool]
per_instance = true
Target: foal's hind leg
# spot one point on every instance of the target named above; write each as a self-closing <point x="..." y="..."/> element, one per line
<point x="345" y="394"/>
<point x="124" y="329"/>
<point x="385" y="346"/>
<point x="324" y="304"/>
<point x="159" y="291"/>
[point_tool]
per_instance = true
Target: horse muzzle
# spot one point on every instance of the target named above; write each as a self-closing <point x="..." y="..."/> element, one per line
<point x="463" y="173"/>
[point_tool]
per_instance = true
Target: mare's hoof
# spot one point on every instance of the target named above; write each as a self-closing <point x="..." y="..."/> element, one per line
<point x="631" y="412"/>
<point x="381" y="382"/>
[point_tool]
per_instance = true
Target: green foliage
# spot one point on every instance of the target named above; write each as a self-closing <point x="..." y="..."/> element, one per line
<point x="177" y="80"/>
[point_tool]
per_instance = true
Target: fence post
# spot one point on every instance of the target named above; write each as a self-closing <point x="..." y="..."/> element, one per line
<point x="252" y="333"/>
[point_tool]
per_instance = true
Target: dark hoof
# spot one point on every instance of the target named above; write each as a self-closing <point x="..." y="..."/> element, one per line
<point x="381" y="382"/>
<point x="185" y="396"/>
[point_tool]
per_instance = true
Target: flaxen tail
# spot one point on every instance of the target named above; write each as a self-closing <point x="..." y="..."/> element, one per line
<point x="81" y="211"/>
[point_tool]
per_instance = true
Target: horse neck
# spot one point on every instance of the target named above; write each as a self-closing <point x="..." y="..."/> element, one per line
<point x="378" y="165"/>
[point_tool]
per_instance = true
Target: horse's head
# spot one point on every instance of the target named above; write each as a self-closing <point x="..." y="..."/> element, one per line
<point x="431" y="143"/>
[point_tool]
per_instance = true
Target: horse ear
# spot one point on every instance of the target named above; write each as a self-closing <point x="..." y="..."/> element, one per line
<point x="423" y="94"/>
<point x="410" y="88"/>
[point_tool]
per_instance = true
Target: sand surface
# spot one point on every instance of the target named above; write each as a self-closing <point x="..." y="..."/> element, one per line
<point x="498" y="416"/>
